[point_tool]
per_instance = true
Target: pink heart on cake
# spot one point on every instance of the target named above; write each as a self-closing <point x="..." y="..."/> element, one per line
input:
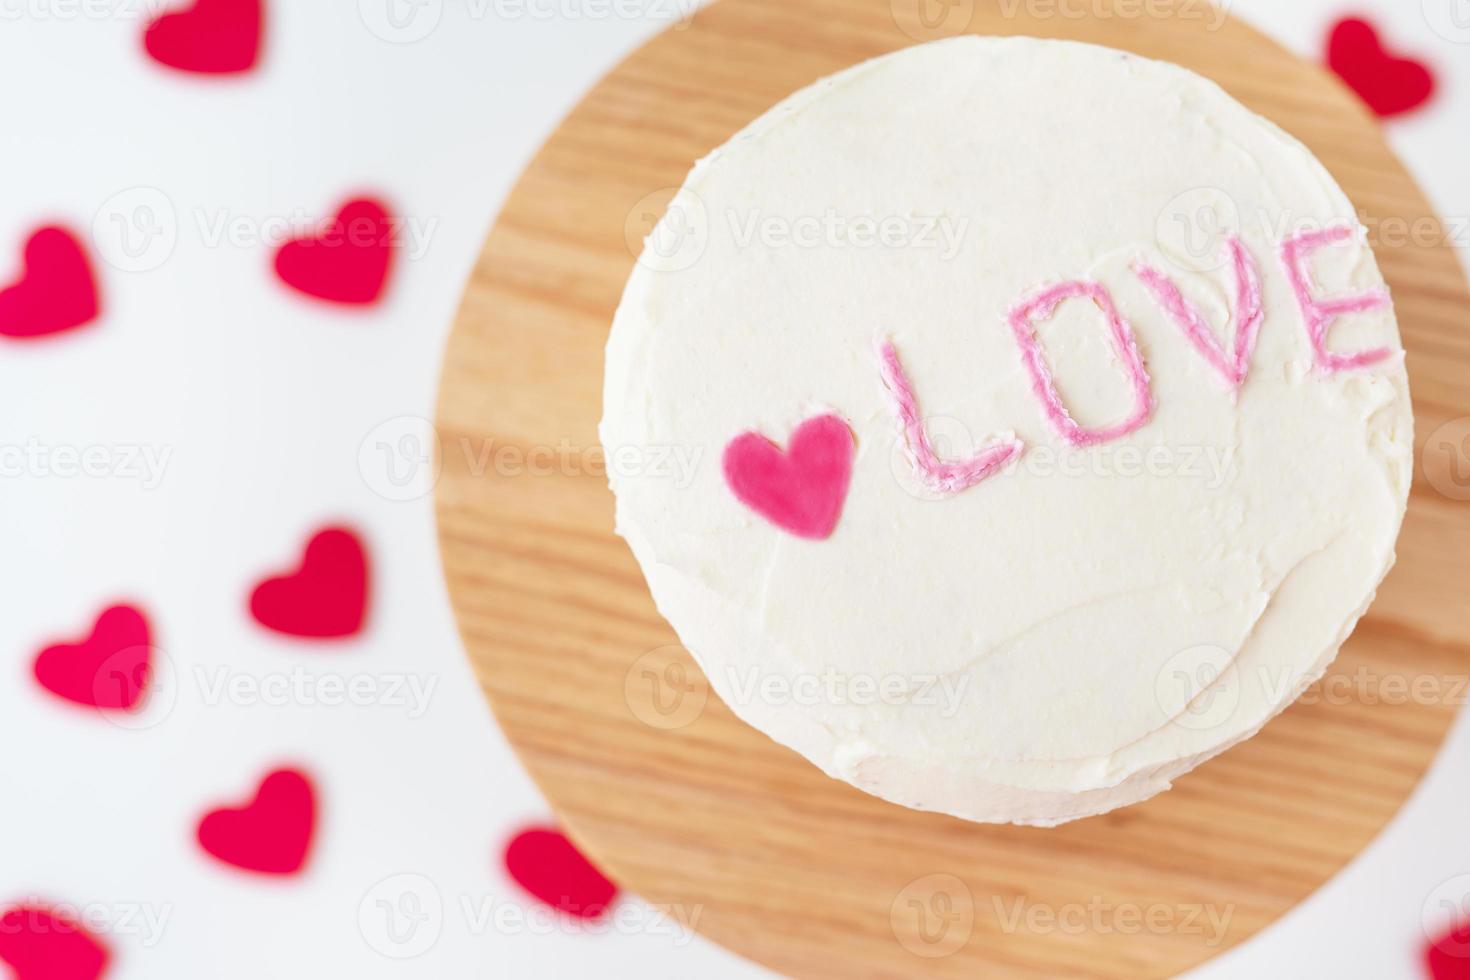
<point x="109" y="669"/>
<point x="56" y="292"/>
<point x="43" y="944"/>
<point x="801" y="490"/>
<point x="326" y="597"/>
<point x="213" y="37"/>
<point x="272" y="833"/>
<point x="348" y="261"/>
<point x="1389" y="84"/>
<point x="550" y="867"/>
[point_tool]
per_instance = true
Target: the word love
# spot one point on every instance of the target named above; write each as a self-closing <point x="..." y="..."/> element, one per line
<point x="802" y="490"/>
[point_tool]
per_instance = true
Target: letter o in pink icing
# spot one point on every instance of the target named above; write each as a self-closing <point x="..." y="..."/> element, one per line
<point x="1042" y="306"/>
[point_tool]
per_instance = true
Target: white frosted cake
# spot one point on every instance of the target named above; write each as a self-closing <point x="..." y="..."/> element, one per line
<point x="1047" y="416"/>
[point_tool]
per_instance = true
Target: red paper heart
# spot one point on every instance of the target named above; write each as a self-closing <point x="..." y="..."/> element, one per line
<point x="801" y="490"/>
<point x="56" y="292"/>
<point x="546" y="864"/>
<point x="1448" y="957"/>
<point x="213" y="37"/>
<point x="348" y="261"/>
<point x="272" y="833"/>
<point x="1389" y="84"/>
<point x="109" y="669"/>
<point x="325" y="597"/>
<point x="45" y="944"/>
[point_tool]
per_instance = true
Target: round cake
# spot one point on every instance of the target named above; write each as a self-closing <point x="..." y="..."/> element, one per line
<point x="1044" y="424"/>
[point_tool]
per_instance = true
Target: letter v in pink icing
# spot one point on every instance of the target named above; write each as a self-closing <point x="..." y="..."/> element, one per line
<point x="1187" y="315"/>
<point x="1320" y="314"/>
<point x="937" y="475"/>
<point x="1041" y="307"/>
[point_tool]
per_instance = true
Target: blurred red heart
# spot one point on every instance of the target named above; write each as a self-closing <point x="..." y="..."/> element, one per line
<point x="109" y="669"/>
<point x="272" y="833"/>
<point x="1390" y="85"/>
<point x="546" y="864"/>
<point x="1448" y="957"/>
<point x="348" y="261"/>
<point x="56" y="292"/>
<point x="213" y="37"/>
<point x="326" y="597"/>
<point x="44" y="944"/>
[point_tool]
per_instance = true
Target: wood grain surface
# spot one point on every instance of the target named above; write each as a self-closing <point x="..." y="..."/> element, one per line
<point x="656" y="779"/>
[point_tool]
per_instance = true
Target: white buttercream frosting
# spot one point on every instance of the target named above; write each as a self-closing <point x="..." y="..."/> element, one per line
<point x="1073" y="633"/>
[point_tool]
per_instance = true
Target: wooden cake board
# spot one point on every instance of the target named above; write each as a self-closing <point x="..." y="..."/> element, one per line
<point x="655" y="778"/>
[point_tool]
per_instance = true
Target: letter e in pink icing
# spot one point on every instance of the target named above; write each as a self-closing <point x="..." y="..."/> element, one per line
<point x="1041" y="307"/>
<point x="1319" y="314"/>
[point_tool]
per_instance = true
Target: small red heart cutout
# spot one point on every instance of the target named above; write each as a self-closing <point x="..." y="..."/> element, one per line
<point x="801" y="490"/>
<point x="326" y="597"/>
<point x="347" y="261"/>
<point x="56" y="291"/>
<point x="1389" y="84"/>
<point x="546" y="864"/>
<point x="272" y="833"/>
<point x="109" y="669"/>
<point x="44" y="944"/>
<point x="213" y="37"/>
<point x="1448" y="957"/>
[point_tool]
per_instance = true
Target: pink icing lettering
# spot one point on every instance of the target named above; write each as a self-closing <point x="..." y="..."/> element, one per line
<point x="937" y="475"/>
<point x="1041" y="307"/>
<point x="1320" y="314"/>
<point x="1187" y="315"/>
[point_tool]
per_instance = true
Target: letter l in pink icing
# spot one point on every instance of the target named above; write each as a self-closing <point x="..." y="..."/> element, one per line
<point x="936" y="474"/>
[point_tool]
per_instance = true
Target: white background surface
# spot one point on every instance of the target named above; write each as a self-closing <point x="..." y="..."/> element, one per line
<point x="263" y="401"/>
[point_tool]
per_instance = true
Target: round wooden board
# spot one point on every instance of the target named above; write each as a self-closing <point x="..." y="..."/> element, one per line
<point x="693" y="810"/>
